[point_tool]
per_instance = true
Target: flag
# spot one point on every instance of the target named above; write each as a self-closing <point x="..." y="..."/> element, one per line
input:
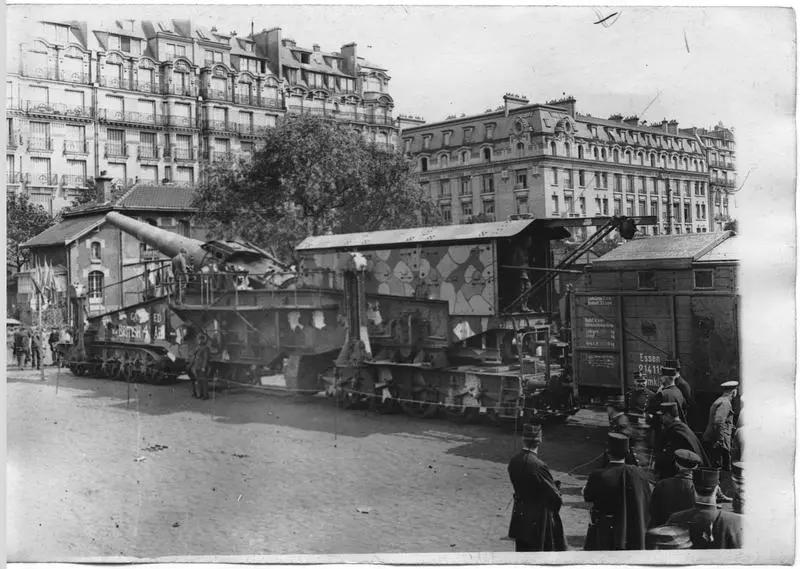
<point x="36" y="277"/>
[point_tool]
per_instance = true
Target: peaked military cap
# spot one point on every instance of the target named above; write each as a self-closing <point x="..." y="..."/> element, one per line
<point x="618" y="445"/>
<point x="638" y="378"/>
<point x="705" y="480"/>
<point x="669" y="407"/>
<point x="729" y="385"/>
<point x="668" y="537"/>
<point x="532" y="431"/>
<point x="668" y="370"/>
<point x="687" y="459"/>
<point x="674" y="364"/>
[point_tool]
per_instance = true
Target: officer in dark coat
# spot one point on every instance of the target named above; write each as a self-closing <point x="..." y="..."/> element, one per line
<point x="669" y="393"/>
<point x="620" y="496"/>
<point x="675" y="435"/>
<point x="719" y="430"/>
<point x="638" y="399"/>
<point x="676" y="493"/>
<point x="709" y="526"/>
<point x="681" y="383"/>
<point x="535" y="520"/>
<point x="618" y="423"/>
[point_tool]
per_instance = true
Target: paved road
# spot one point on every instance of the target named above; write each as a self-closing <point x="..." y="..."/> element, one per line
<point x="93" y="474"/>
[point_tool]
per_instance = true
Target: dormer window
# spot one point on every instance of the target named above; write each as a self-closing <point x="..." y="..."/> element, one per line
<point x="489" y="131"/>
<point x="305" y="58"/>
<point x="446" y="137"/>
<point x="468" y="134"/>
<point x="426" y="141"/>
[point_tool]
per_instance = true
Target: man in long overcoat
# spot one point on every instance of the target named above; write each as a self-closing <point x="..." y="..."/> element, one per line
<point x="709" y="526"/>
<point x="677" y="492"/>
<point x="535" y="520"/>
<point x="719" y="431"/>
<point x="669" y="393"/>
<point x="199" y="366"/>
<point x="620" y="496"/>
<point x="675" y="434"/>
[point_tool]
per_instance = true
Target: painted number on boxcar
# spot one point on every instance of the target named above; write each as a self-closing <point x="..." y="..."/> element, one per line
<point x="649" y="365"/>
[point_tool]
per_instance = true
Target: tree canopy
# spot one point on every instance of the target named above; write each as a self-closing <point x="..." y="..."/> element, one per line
<point x="311" y="176"/>
<point x="25" y="220"/>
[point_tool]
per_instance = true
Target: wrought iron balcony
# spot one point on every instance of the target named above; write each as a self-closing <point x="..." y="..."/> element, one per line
<point x="219" y="125"/>
<point x="41" y="72"/>
<point x="42" y="179"/>
<point x="723" y="182"/>
<point x="215" y="94"/>
<point x="76" y="77"/>
<point x="388" y="121"/>
<point x="146" y="87"/>
<point x="115" y="82"/>
<point x="181" y="121"/>
<point x="116" y="150"/>
<point x="186" y="90"/>
<point x="14" y="139"/>
<point x="183" y="154"/>
<point x="76" y="147"/>
<point x="147" y="152"/>
<point x="270" y="103"/>
<point x="75" y="181"/>
<point x="16" y="177"/>
<point x="40" y="143"/>
<point x="130" y="117"/>
<point x="244" y="99"/>
<point x="57" y="109"/>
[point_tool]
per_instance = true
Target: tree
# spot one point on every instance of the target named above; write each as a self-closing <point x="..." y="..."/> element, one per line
<point x="730" y="226"/>
<point x="311" y="176"/>
<point x="25" y="220"/>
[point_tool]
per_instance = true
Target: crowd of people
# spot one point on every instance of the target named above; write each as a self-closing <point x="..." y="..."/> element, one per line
<point x="28" y="346"/>
<point x="670" y="501"/>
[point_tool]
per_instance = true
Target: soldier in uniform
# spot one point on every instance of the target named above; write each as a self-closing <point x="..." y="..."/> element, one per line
<point x="199" y="366"/>
<point x="669" y="393"/>
<point x="675" y="434"/>
<point x="618" y="423"/>
<point x="719" y="431"/>
<point x="637" y="399"/>
<point x="676" y="493"/>
<point x="620" y="496"/>
<point x="180" y="269"/>
<point x="535" y="520"/>
<point x="709" y="526"/>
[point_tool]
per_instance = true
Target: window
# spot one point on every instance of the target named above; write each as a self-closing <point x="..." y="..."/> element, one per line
<point x="597" y="183"/>
<point x="598" y="205"/>
<point x="446" y="211"/>
<point x="423" y="164"/>
<point x="489" y="131"/>
<point x="582" y="205"/>
<point x="466" y="208"/>
<point x="616" y="155"/>
<point x="603" y="153"/>
<point x="147" y="145"/>
<point x="444" y="161"/>
<point x="464" y="156"/>
<point x="553" y="149"/>
<point x="554" y="176"/>
<point x="247" y="147"/>
<point x="654" y="207"/>
<point x="444" y="188"/>
<point x="488" y="207"/>
<point x="446" y="138"/>
<point x="40" y="136"/>
<point x="580" y="152"/>
<point x="40" y="168"/>
<point x="569" y="204"/>
<point x="617" y="206"/>
<point x="149" y="173"/>
<point x="704" y="278"/>
<point x="605" y="180"/>
<point x="567" y="150"/>
<point x="113" y="42"/>
<point x="96" y="284"/>
<point x="617" y="182"/>
<point x="687" y="212"/>
<point x="605" y="206"/>
<point x="426" y="142"/>
<point x="468" y="134"/>
<point x="554" y="202"/>
<point x="185" y="175"/>
<point x="653" y="160"/>
<point x="646" y="280"/>
<point x="125" y="44"/>
<point x="465" y="189"/>
<point x="487" y="154"/>
<point x="631" y="187"/>
<point x="183" y="146"/>
<point x="629" y="207"/>
<point x="116" y="142"/>
<point x="521" y="179"/>
<point x="76" y="172"/>
<point x="522" y="204"/>
<point x="581" y="178"/>
<point x="488" y="184"/>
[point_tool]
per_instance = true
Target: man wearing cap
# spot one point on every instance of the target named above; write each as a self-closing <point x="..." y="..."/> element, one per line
<point x="669" y="393"/>
<point x="681" y="383"/>
<point x="638" y="398"/>
<point x="198" y="367"/>
<point x="676" y="493"/>
<point x="535" y="520"/>
<point x="719" y="430"/>
<point x="620" y="496"/>
<point x="618" y="423"/>
<point x="179" y="273"/>
<point x="675" y="434"/>
<point x="709" y="526"/>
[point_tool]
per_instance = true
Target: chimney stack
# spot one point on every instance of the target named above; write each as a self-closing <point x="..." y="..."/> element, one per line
<point x="316" y="47"/>
<point x="567" y="103"/>
<point x="672" y="127"/>
<point x="513" y="101"/>
<point x="632" y="120"/>
<point x="103" y="189"/>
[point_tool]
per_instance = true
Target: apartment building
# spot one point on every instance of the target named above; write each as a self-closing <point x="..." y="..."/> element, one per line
<point x="720" y="146"/>
<point x="550" y="161"/>
<point x="155" y="101"/>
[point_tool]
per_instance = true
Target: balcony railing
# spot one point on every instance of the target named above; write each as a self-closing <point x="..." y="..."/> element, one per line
<point x="115" y="82"/>
<point x="76" y="147"/>
<point x="146" y="87"/>
<point x="14" y="139"/>
<point x="147" y="152"/>
<point x="41" y="72"/>
<point x="269" y="103"/>
<point x="245" y="99"/>
<point x="180" y="121"/>
<point x="76" y="77"/>
<point x="42" y="179"/>
<point x="223" y="125"/>
<point x="183" y="154"/>
<point x="724" y="183"/>
<point x="380" y="120"/>
<point x="57" y="109"/>
<point x="75" y="180"/>
<point x="16" y="177"/>
<point x="721" y="164"/>
<point x="187" y="90"/>
<point x="40" y="143"/>
<point x="215" y="94"/>
<point x="130" y="117"/>
<point x="116" y="150"/>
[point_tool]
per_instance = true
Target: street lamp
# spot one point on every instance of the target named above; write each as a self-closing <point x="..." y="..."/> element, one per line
<point x="662" y="176"/>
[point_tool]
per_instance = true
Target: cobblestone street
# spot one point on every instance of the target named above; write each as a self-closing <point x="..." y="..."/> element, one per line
<point x="91" y="474"/>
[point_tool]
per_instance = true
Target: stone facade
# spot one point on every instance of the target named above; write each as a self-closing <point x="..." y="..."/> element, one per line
<point x="155" y="101"/>
<point x="550" y="161"/>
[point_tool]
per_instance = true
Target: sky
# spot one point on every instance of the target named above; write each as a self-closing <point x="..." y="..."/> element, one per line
<point x="699" y="66"/>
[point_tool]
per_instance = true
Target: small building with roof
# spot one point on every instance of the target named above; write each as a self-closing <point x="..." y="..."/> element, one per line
<point x="106" y="261"/>
<point x="657" y="299"/>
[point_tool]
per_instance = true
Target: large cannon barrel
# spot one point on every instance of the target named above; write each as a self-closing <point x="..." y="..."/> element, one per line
<point x="164" y="241"/>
